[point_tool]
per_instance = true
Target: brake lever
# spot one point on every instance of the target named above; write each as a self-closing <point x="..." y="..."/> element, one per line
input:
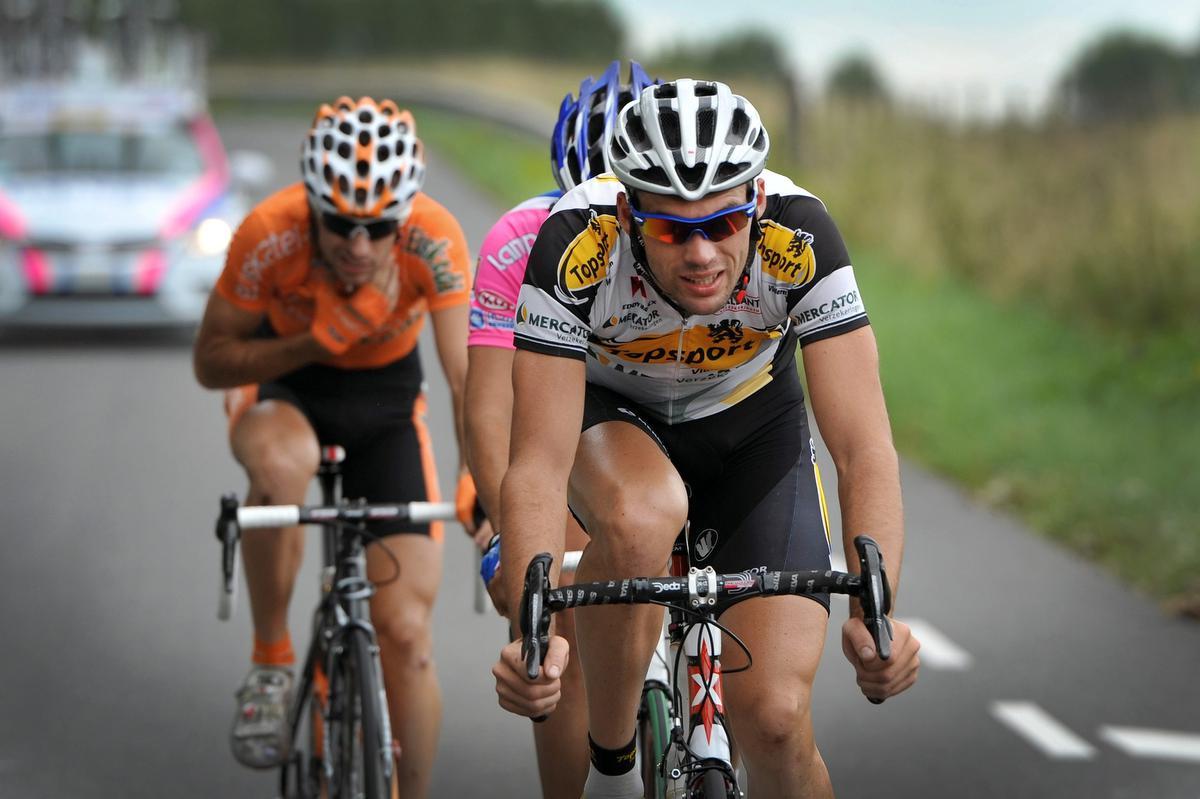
<point x="535" y="618"/>
<point x="228" y="533"/>
<point x="876" y="597"/>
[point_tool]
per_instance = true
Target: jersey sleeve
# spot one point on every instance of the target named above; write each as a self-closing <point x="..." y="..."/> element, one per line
<point x="434" y="238"/>
<point x="503" y="258"/>
<point x="245" y="280"/>
<point x="568" y="263"/>
<point x="823" y="299"/>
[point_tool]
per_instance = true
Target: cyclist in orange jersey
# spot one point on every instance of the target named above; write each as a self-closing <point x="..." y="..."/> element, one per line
<point x="312" y="329"/>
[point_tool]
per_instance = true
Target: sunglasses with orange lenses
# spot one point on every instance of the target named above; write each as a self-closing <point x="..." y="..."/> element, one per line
<point x="678" y="229"/>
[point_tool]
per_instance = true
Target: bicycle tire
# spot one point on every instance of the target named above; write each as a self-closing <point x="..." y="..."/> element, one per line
<point x="356" y="730"/>
<point x="713" y="786"/>
<point x="653" y="738"/>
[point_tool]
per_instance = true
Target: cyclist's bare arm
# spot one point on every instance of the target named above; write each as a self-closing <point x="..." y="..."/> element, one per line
<point x="227" y="355"/>
<point x="450" y="336"/>
<point x="489" y="406"/>
<point x="847" y="402"/>
<point x="547" y="413"/>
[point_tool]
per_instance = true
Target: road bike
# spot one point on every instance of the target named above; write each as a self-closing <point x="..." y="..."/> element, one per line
<point x="347" y="751"/>
<point x="684" y="749"/>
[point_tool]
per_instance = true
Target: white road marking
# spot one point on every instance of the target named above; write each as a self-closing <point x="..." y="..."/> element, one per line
<point x="1154" y="743"/>
<point x="1043" y="731"/>
<point x="938" y="651"/>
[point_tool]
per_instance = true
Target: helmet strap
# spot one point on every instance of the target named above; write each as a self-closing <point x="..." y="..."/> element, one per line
<point x="740" y="285"/>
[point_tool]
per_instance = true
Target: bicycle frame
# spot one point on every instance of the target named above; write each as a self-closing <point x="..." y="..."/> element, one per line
<point x="344" y="604"/>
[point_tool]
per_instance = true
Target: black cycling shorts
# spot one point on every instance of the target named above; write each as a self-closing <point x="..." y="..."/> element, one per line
<point x="755" y="497"/>
<point x="378" y="417"/>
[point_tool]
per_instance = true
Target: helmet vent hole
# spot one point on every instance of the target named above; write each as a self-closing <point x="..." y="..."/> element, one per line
<point x="705" y="89"/>
<point x="666" y="91"/>
<point x="365" y="116"/>
<point x="596" y="163"/>
<point x="706" y="127"/>
<point x="364" y="137"/>
<point x="343" y="184"/>
<point x="655" y="175"/>
<point x="728" y="171"/>
<point x="383" y="153"/>
<point x="312" y="164"/>
<point x="360" y="196"/>
<point x="328" y="173"/>
<point x="395" y="179"/>
<point x="346" y="128"/>
<point x="363" y="167"/>
<point x="572" y="161"/>
<point x="344" y="150"/>
<point x="617" y="149"/>
<point x="738" y="127"/>
<point x="668" y="120"/>
<point x="595" y="129"/>
<point x="327" y="142"/>
<point x="384" y="130"/>
<point x="637" y="134"/>
<point x="692" y="176"/>
<point x="379" y="186"/>
<point x="760" y="143"/>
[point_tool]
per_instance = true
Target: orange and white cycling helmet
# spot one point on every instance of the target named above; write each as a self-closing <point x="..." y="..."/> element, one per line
<point x="363" y="160"/>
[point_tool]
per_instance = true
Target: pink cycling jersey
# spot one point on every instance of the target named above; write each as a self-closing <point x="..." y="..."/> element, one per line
<point x="501" y="270"/>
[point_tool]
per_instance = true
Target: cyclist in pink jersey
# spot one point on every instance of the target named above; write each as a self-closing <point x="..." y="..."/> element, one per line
<point x="578" y="151"/>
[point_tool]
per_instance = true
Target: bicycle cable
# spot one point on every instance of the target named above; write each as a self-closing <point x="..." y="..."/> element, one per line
<point x="369" y="537"/>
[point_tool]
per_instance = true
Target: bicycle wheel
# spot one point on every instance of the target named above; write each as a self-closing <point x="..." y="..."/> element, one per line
<point x="712" y="785"/>
<point x="360" y="756"/>
<point x="653" y="738"/>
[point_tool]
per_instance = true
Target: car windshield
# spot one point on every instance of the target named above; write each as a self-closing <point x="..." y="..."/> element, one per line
<point x="163" y="153"/>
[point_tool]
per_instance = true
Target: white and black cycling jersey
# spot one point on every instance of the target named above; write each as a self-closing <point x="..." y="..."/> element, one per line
<point x="584" y="298"/>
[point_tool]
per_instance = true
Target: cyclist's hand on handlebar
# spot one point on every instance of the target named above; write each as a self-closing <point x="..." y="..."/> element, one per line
<point x="517" y="693"/>
<point x="483" y="537"/>
<point x="877" y="678"/>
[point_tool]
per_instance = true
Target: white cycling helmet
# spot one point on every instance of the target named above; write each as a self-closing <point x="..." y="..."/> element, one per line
<point x="688" y="138"/>
<point x="362" y="160"/>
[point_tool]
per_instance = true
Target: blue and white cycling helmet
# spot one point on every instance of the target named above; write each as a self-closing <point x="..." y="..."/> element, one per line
<point x="579" y="145"/>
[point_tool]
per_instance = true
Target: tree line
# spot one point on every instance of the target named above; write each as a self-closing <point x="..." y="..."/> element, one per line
<point x="322" y="29"/>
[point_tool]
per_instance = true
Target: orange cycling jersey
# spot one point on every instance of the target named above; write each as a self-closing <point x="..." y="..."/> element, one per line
<point x="272" y="268"/>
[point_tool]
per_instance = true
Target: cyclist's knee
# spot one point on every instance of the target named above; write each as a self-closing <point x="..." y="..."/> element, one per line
<point x="775" y="724"/>
<point x="635" y="528"/>
<point x="405" y="635"/>
<point x="276" y="447"/>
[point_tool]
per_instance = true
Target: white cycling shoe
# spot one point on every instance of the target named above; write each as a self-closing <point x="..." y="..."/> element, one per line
<point x="260" y="735"/>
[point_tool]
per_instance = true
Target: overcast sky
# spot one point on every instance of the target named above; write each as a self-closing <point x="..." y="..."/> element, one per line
<point x="984" y="54"/>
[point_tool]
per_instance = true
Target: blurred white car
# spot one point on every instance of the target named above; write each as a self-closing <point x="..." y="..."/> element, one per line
<point x="116" y="205"/>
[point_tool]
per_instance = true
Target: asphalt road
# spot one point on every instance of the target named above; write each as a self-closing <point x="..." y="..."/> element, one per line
<point x="1043" y="677"/>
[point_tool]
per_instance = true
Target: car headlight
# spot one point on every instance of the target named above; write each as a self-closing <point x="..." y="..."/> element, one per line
<point x="211" y="237"/>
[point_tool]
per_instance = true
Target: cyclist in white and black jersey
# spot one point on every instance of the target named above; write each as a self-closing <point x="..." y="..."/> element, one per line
<point x="592" y="298"/>
<point x="659" y="315"/>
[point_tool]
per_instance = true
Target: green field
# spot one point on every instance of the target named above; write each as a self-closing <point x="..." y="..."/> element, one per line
<point x="1088" y="437"/>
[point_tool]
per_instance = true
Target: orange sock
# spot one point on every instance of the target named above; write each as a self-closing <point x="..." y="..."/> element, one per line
<point x="275" y="653"/>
